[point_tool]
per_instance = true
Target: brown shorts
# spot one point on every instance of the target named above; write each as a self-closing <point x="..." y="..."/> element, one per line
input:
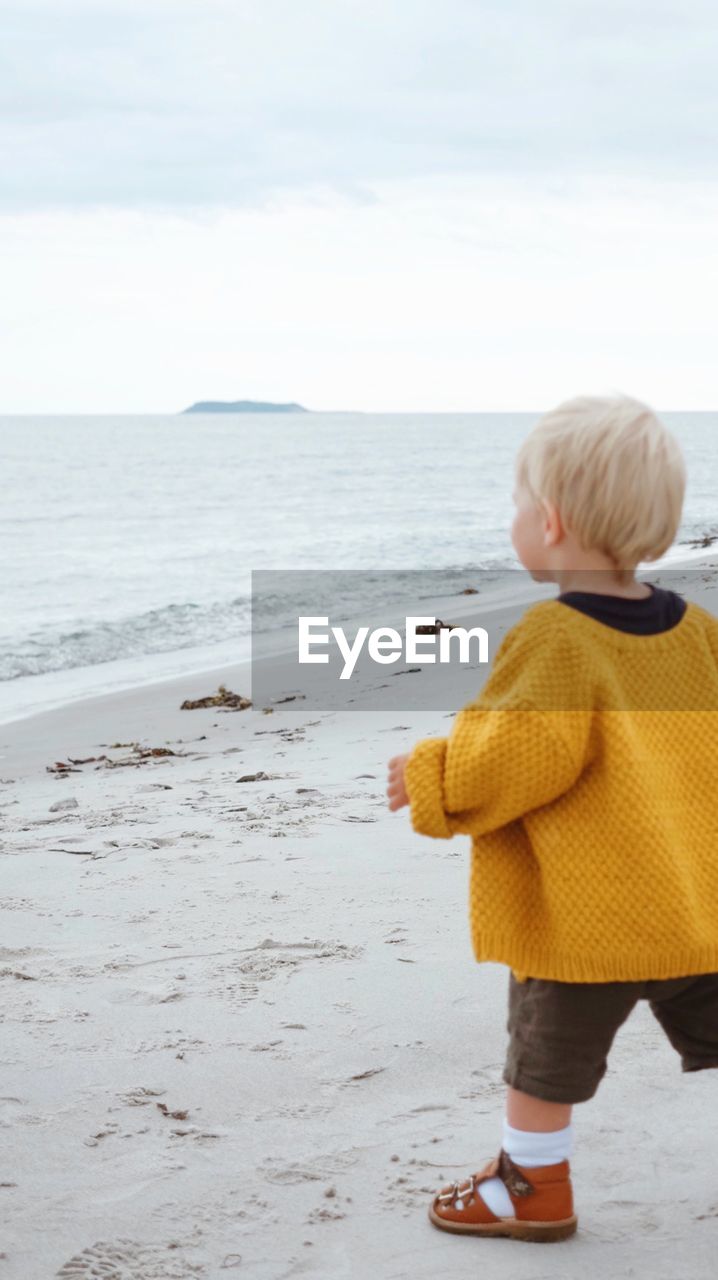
<point x="561" y="1032"/>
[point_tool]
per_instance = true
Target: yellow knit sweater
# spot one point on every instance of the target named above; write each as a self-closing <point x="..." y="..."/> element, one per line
<point x="586" y="773"/>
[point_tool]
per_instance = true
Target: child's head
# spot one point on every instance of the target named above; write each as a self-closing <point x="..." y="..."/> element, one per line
<point x="599" y="485"/>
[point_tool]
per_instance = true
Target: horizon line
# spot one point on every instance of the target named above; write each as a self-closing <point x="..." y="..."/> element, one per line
<point x="182" y="413"/>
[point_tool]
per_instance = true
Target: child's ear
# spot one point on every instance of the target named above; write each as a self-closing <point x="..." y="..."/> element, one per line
<point x="553" y="528"/>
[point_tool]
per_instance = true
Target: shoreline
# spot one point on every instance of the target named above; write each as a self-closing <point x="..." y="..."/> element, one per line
<point x="206" y="663"/>
<point x="82" y="726"/>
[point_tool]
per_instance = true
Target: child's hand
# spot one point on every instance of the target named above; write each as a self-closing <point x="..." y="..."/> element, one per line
<point x="396" y="790"/>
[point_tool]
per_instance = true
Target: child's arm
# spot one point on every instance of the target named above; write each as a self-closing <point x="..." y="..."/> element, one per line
<point x="496" y="765"/>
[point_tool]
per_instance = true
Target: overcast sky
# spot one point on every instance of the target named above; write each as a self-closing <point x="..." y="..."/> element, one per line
<point x="395" y="205"/>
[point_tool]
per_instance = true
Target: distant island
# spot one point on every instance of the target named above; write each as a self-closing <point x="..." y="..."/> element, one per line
<point x="243" y="406"/>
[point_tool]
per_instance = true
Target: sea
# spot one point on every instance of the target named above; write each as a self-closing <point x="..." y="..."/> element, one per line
<point x="128" y="543"/>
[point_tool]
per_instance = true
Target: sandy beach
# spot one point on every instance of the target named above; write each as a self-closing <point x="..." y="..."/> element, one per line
<point x="244" y="1033"/>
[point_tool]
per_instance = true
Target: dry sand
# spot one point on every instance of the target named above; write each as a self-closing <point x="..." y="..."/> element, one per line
<point x="244" y="1033"/>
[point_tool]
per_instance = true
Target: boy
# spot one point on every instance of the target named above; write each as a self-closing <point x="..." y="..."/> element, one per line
<point x="585" y="772"/>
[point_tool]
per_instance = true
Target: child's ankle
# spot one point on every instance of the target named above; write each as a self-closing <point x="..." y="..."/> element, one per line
<point x="532" y="1149"/>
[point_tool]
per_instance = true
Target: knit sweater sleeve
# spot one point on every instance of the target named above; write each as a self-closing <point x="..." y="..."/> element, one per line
<point x="506" y="754"/>
<point x="496" y="765"/>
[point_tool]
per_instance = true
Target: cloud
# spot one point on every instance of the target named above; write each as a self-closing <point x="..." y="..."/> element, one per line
<point x="474" y="294"/>
<point x="176" y="105"/>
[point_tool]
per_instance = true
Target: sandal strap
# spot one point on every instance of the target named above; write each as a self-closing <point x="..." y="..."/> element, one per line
<point x="516" y="1183"/>
<point x="501" y="1166"/>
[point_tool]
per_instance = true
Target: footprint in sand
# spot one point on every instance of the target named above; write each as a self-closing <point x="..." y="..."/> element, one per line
<point x="241" y="978"/>
<point x="316" y="1169"/>
<point x="128" y="1260"/>
<point x="164" y="994"/>
<point x="301" y="1112"/>
<point x="172" y="1040"/>
<point x="301" y="813"/>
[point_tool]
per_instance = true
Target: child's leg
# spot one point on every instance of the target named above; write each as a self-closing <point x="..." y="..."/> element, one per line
<point x="547" y="1021"/>
<point x="525" y="1112"/>
<point x="535" y="1133"/>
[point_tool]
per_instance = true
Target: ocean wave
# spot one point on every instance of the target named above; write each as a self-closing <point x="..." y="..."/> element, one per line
<point x="279" y="598"/>
<point x="172" y="627"/>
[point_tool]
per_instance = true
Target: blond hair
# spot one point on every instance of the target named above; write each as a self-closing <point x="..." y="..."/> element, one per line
<point x="615" y="473"/>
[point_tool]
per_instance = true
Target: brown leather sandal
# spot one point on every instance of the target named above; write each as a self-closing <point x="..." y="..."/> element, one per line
<point x="542" y="1200"/>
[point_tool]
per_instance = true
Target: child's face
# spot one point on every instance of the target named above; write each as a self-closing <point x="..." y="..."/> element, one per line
<point x="533" y="533"/>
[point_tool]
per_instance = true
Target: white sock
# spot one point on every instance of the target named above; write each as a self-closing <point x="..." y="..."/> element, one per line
<point x="532" y="1149"/>
<point x="529" y="1150"/>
